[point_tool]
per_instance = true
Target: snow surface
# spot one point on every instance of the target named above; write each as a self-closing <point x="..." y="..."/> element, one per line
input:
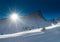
<point x="52" y="34"/>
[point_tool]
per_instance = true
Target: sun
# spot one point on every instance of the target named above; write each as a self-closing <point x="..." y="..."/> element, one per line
<point x="14" y="16"/>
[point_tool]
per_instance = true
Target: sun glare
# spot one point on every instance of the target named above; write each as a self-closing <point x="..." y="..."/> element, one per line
<point x="14" y="16"/>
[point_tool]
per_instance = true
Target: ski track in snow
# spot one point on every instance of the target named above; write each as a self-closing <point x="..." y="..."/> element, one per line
<point x="27" y="33"/>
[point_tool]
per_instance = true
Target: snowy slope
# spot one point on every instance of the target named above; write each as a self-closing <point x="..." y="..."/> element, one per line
<point x="51" y="35"/>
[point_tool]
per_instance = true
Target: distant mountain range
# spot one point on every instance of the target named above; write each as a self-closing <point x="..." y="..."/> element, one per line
<point x="55" y="21"/>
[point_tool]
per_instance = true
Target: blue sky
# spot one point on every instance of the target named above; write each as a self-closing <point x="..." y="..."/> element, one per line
<point x="49" y="8"/>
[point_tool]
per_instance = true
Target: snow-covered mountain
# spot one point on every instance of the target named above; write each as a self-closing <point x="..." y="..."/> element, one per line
<point x="31" y="21"/>
<point x="23" y="32"/>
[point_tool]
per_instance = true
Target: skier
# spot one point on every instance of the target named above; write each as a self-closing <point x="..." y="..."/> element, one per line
<point x="43" y="29"/>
